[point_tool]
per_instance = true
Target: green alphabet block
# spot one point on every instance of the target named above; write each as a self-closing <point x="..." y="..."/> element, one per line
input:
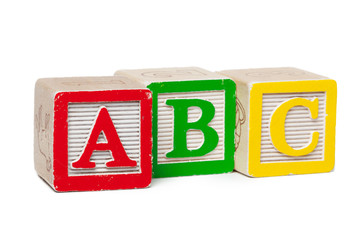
<point x="193" y="120"/>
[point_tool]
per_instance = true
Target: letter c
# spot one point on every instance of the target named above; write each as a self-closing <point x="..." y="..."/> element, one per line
<point x="277" y="126"/>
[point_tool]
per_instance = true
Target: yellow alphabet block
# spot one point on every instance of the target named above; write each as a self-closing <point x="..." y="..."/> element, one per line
<point x="285" y="122"/>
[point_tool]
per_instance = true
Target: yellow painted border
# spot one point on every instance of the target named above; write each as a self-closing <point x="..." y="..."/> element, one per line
<point x="257" y="169"/>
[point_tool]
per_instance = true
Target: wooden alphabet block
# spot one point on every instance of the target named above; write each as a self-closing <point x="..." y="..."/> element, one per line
<point x="93" y="133"/>
<point x="285" y="122"/>
<point x="193" y="120"/>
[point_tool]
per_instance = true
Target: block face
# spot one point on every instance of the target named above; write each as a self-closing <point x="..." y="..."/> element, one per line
<point x="114" y="114"/>
<point x="169" y="74"/>
<point x="299" y="126"/>
<point x="219" y="98"/>
<point x="258" y="75"/>
<point x="43" y="137"/>
<point x="126" y="119"/>
<point x="241" y="131"/>
<point x="194" y="137"/>
<point x="292" y="127"/>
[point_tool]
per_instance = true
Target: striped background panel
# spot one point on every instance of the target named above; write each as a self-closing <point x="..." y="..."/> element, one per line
<point x="126" y="119"/>
<point x="195" y="138"/>
<point x="298" y="127"/>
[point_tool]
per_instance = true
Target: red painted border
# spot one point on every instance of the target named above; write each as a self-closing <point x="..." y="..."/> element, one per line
<point x="63" y="182"/>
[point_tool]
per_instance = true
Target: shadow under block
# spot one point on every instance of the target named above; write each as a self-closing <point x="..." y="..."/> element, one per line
<point x="285" y="122"/>
<point x="193" y="120"/>
<point x="93" y="133"/>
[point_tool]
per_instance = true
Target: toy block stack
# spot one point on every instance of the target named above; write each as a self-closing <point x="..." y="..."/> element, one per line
<point x="117" y="132"/>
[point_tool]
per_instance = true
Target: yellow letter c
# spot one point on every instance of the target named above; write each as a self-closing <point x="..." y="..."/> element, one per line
<point x="277" y="126"/>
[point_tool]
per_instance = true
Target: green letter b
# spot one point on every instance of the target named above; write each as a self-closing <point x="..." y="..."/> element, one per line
<point x="181" y="126"/>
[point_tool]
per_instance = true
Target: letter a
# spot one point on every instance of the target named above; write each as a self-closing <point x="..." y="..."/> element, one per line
<point x="104" y="124"/>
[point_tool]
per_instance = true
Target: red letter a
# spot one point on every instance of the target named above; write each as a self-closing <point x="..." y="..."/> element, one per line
<point x="104" y="124"/>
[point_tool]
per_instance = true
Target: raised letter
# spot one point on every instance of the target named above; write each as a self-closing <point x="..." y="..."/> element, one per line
<point x="277" y="126"/>
<point x="104" y="124"/>
<point x="181" y="126"/>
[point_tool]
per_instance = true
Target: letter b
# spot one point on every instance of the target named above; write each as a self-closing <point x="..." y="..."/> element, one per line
<point x="181" y="126"/>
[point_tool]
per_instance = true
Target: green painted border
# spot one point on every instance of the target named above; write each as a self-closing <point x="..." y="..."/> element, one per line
<point x="203" y="167"/>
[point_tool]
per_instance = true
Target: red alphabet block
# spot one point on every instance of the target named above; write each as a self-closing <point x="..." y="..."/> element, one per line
<point x="93" y="133"/>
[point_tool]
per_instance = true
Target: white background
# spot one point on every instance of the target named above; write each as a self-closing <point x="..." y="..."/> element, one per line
<point x="91" y="38"/>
